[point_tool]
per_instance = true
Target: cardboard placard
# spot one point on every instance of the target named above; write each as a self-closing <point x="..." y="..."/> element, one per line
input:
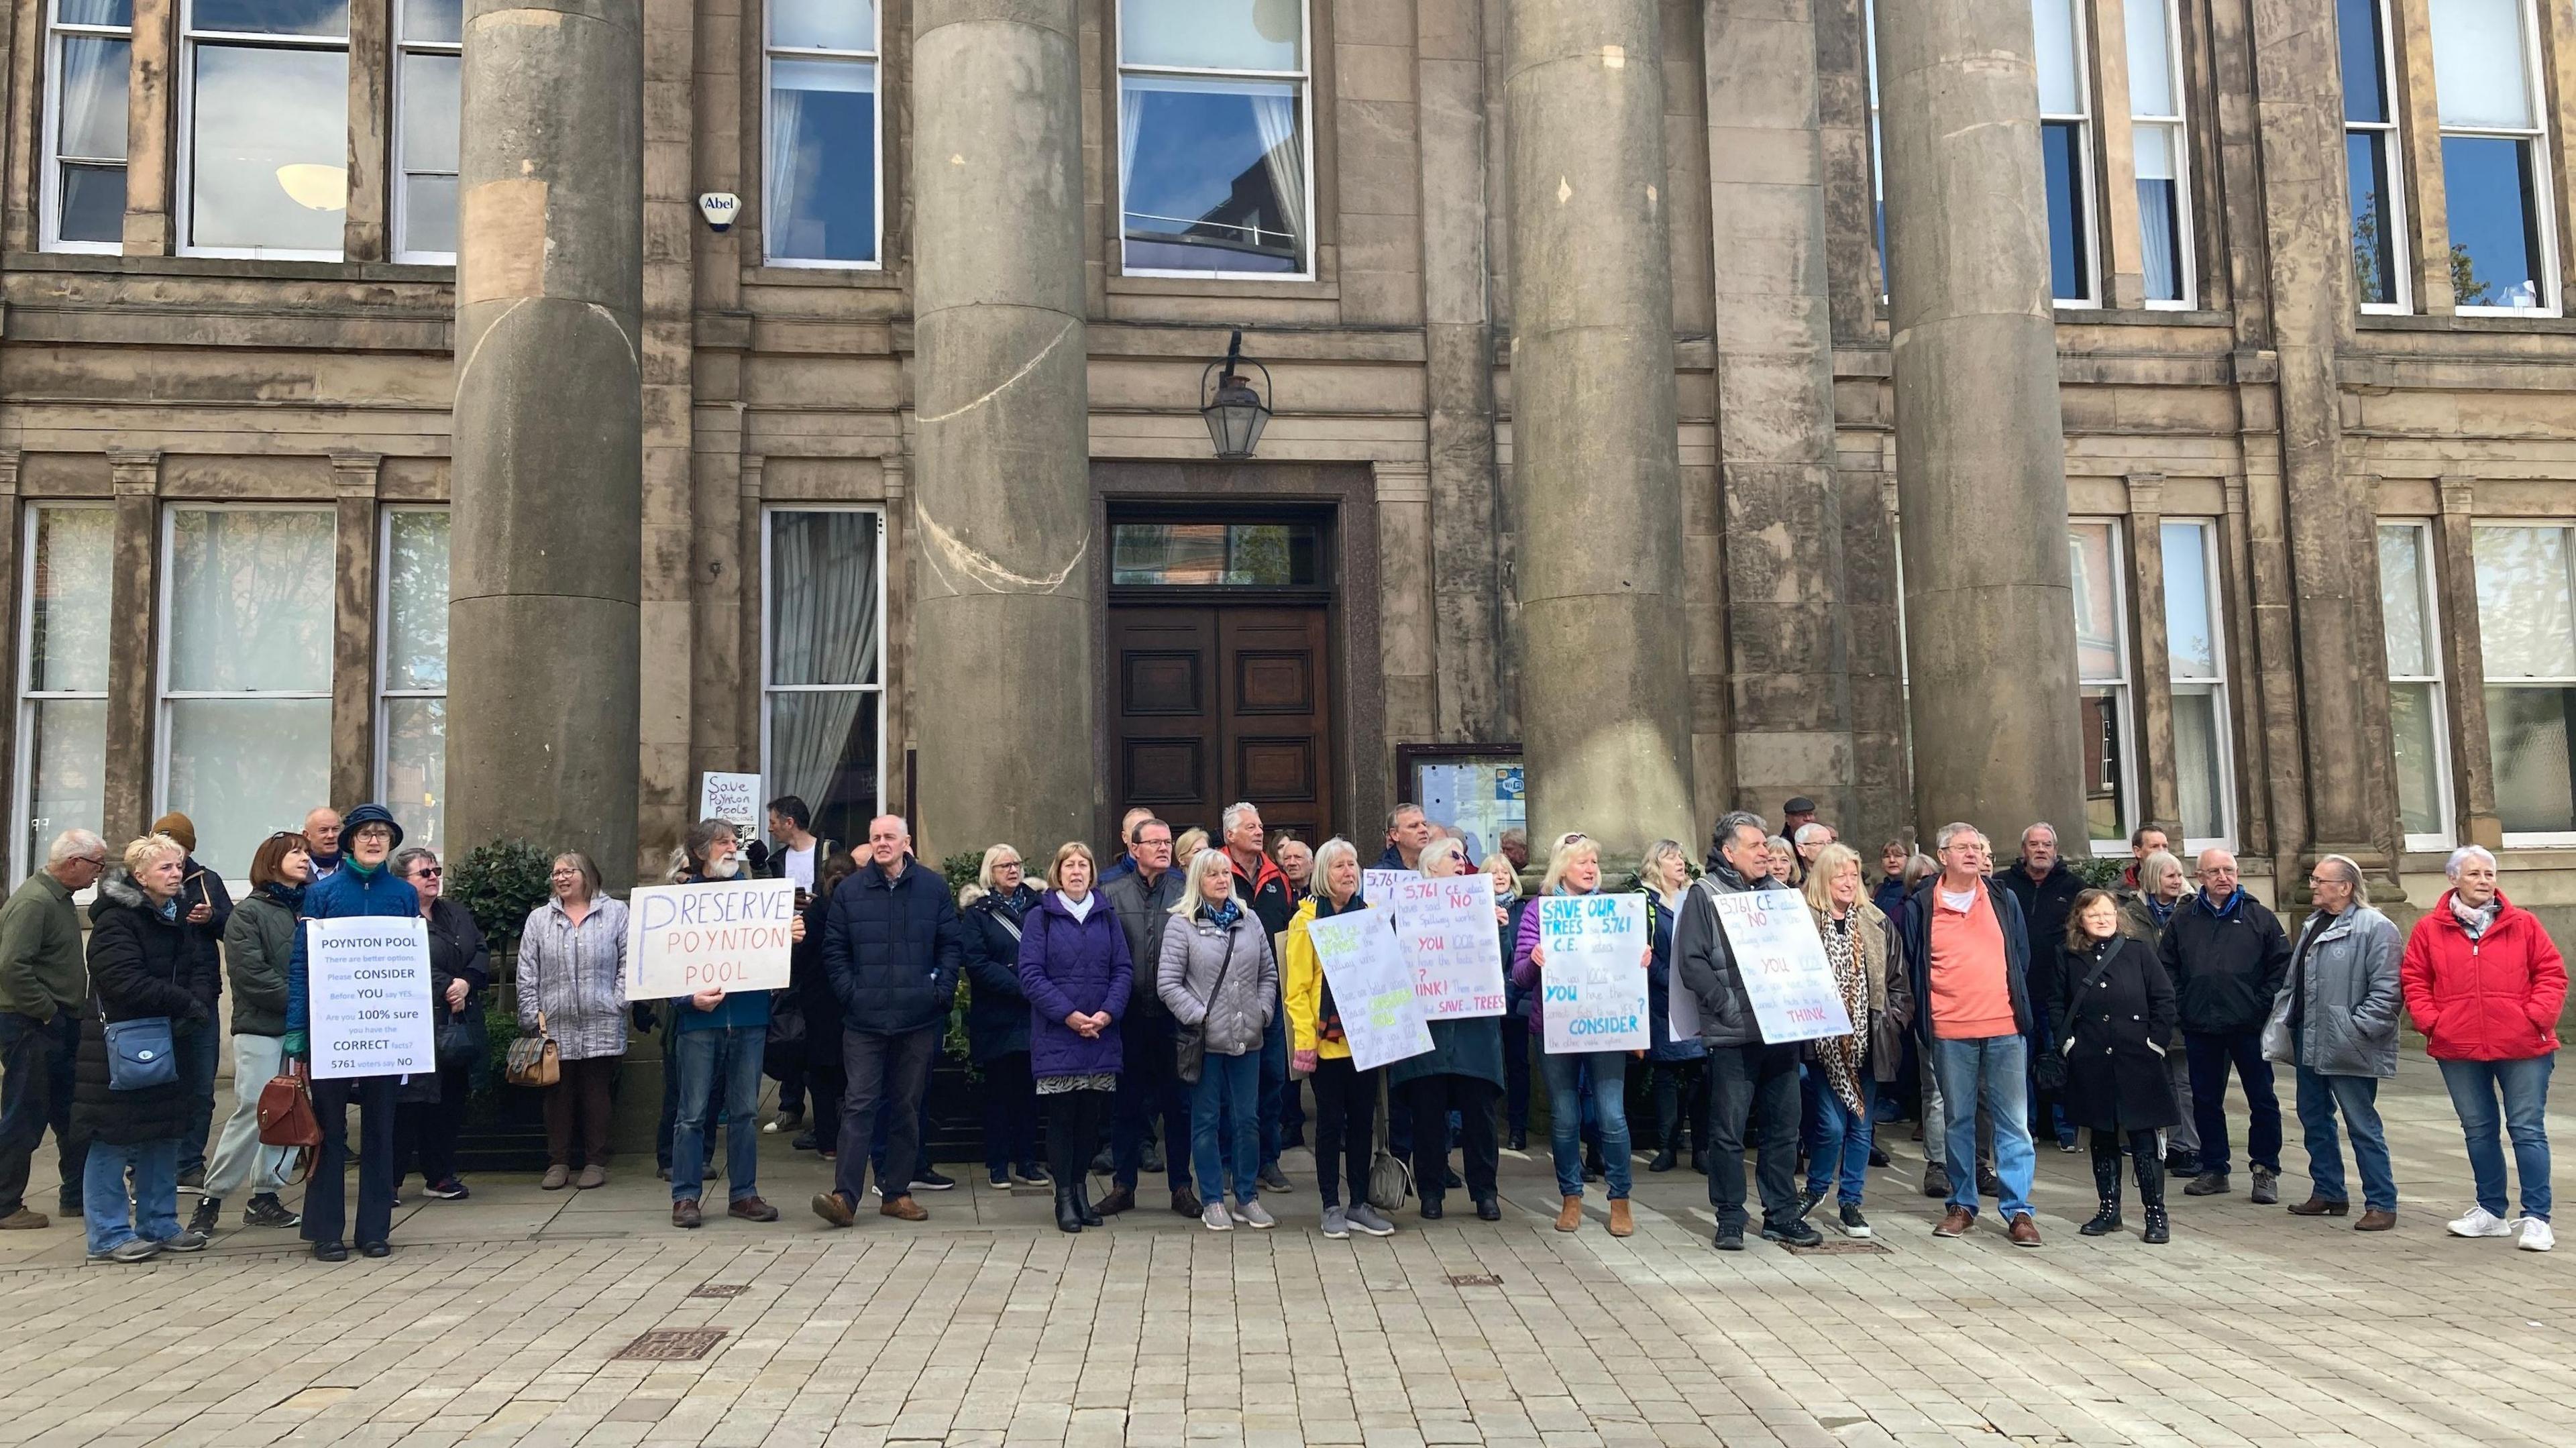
<point x="1372" y="987"/>
<point x="1592" y="984"/>
<point x="1445" y="931"/>
<point x="722" y="934"/>
<point x="367" y="981"/>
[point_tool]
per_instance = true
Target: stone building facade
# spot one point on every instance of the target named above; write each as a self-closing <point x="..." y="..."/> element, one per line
<point x="1592" y="423"/>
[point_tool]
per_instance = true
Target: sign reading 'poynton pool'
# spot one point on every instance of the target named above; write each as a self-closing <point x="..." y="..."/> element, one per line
<point x="368" y="982"/>
<point x="721" y="935"/>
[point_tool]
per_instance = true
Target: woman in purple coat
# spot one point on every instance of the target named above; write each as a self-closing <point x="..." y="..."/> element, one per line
<point x="1075" y="970"/>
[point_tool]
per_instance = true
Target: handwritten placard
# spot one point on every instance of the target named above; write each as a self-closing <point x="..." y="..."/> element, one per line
<point x="734" y="797"/>
<point x="1592" y="982"/>
<point x="721" y="935"/>
<point x="1377" y="887"/>
<point x="368" y="982"/>
<point x="1782" y="962"/>
<point x="1372" y="988"/>
<point x="1445" y="931"/>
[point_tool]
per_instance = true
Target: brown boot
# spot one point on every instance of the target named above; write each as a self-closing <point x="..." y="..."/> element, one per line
<point x="25" y="1219"/>
<point x="2375" y="1220"/>
<point x="1955" y="1223"/>
<point x="684" y="1212"/>
<point x="752" y="1209"/>
<point x="1621" y="1223"/>
<point x="2317" y="1206"/>
<point x="903" y="1207"/>
<point x="1571" y="1215"/>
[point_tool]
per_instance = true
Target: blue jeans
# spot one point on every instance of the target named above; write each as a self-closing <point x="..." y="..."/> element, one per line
<point x="114" y="1220"/>
<point x="1842" y="1138"/>
<point x="736" y="1050"/>
<point x="2357" y="1097"/>
<point x="1990" y="1073"/>
<point x="2209" y="1057"/>
<point x="1565" y="1117"/>
<point x="1228" y="1098"/>
<point x="2524" y="1086"/>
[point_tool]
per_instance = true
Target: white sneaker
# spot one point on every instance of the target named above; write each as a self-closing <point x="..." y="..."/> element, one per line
<point x="2481" y="1223"/>
<point x="1214" y="1218"/>
<point x="1253" y="1214"/>
<point x="2536" y="1236"/>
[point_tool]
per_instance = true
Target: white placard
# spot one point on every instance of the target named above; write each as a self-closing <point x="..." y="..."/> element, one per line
<point x="1592" y="985"/>
<point x="367" y="982"/>
<point x="1782" y="962"/>
<point x="1444" y="930"/>
<point x="1372" y="988"/>
<point x="734" y="797"/>
<point x="728" y="934"/>
<point x="1377" y="887"/>
<point x="1681" y="1004"/>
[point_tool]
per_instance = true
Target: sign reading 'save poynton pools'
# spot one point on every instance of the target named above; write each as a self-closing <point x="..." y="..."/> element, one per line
<point x="368" y="980"/>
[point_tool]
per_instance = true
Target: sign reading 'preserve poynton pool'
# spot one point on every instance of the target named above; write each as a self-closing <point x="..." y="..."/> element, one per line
<point x="721" y="935"/>
<point x="368" y="982"/>
<point x="1592" y="983"/>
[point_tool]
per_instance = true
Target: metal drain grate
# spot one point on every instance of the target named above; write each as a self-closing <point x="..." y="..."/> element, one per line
<point x="670" y="1345"/>
<point x="1474" y="1279"/>
<point x="1840" y="1247"/>
<point x="721" y="1289"/>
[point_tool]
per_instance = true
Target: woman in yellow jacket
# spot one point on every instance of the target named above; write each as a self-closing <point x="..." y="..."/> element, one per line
<point x="1345" y="1097"/>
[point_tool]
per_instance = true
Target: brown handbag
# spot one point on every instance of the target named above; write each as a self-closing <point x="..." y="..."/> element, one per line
<point x="534" y="1060"/>
<point x="286" y="1117"/>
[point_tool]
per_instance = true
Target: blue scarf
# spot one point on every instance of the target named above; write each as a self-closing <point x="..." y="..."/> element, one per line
<point x="2160" y="912"/>
<point x="2227" y="911"/>
<point x="1222" y="916"/>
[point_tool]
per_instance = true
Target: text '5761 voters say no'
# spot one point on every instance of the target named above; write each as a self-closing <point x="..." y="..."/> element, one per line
<point x="720" y="935"/>
<point x="368" y="981"/>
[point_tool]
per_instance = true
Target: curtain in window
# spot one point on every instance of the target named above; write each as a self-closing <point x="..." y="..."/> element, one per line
<point x="1276" y="115"/>
<point x="1131" y="123"/>
<point x="823" y="630"/>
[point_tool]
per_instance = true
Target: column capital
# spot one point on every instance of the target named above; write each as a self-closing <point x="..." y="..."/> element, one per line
<point x="9" y="458"/>
<point x="356" y="474"/>
<point x="751" y="478"/>
<point x="1401" y="480"/>
<point x="895" y="475"/>
<point x="2232" y="489"/>
<point x="134" y="473"/>
<point x="2457" y="494"/>
<point x="2146" y="495"/>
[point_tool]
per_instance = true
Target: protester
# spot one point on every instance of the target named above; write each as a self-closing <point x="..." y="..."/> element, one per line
<point x="2227" y="955"/>
<point x="1869" y="970"/>
<point x="1345" y="1096"/>
<point x="710" y="849"/>
<point x="1752" y="1083"/>
<point x="826" y="1076"/>
<point x="1076" y="978"/>
<point x="892" y="944"/>
<point x="1297" y="863"/>
<point x="2046" y="889"/>
<point x="1125" y="864"/>
<point x="460" y="967"/>
<point x="43" y="983"/>
<point x="1932" y="1126"/>
<point x="1809" y="840"/>
<point x="2114" y="1009"/>
<point x="208" y="906"/>
<point x="572" y="989"/>
<point x="322" y="833"/>
<point x="1407" y="831"/>
<point x="143" y="963"/>
<point x="992" y="922"/>
<point x="719" y="1039"/>
<point x="1889" y="893"/>
<point x="2145" y="840"/>
<point x="1461" y="1074"/>
<point x="1679" y="1065"/>
<point x="1263" y="889"/>
<point x="1795" y="811"/>
<point x="1514" y="845"/>
<point x="2335" y="1025"/>
<point x="2144" y="914"/>
<point x="1187" y="847"/>
<point x="799" y="855"/>
<point x="1218" y="978"/>
<point x="1508" y="909"/>
<point x="259" y="949"/>
<point x="2485" y="985"/>
<point x="1780" y="863"/>
<point x="1574" y="868"/>
<point x="1147" y="1088"/>
<point x="1970" y="951"/>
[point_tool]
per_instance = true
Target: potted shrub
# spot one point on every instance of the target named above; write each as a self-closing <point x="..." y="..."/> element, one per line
<point x="499" y="883"/>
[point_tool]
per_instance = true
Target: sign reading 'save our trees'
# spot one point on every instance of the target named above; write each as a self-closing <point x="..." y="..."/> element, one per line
<point x="1445" y="931"/>
<point x="1592" y="983"/>
<point x="1372" y="987"/>
<point x="367" y="979"/>
<point x="721" y="935"/>
<point x="1782" y="962"/>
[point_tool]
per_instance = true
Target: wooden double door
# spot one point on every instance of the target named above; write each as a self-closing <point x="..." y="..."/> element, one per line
<point x="1214" y="704"/>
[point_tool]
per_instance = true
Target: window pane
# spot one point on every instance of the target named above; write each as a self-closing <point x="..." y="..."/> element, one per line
<point x="2159" y="213"/>
<point x="1215" y="175"/>
<point x="2197" y="773"/>
<point x="68" y="599"/>
<point x="2098" y="625"/>
<point x="822" y="160"/>
<point x="2106" y="802"/>
<point x="1214" y="34"/>
<point x="2365" y="92"/>
<point x="270" y="162"/>
<point x="2401" y="601"/>
<point x="429" y="109"/>
<point x="1257" y="555"/>
<point x="2053" y="27"/>
<point x="416" y="768"/>
<point x="93" y="203"/>
<point x="2151" y="89"/>
<point x="119" y="13"/>
<point x="2478" y="68"/>
<point x="271" y="17"/>
<point x="2062" y="150"/>
<point x="416" y="601"/>
<point x="434" y="20"/>
<point x="2374" y="232"/>
<point x="2414" y="720"/>
<point x="67" y="763"/>
<point x="429" y="214"/>
<point x="241" y="768"/>
<point x="2528" y="731"/>
<point x="823" y="750"/>
<point x="823" y="600"/>
<point x="92" y="123"/>
<point x="2495" y="221"/>
<point x="251" y="595"/>
<point x="2191" y="637"/>
<point x="2526" y="620"/>
<point x="824" y="25"/>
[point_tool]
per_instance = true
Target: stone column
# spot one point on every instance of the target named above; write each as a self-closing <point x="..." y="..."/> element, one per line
<point x="148" y="133"/>
<point x="1980" y="460"/>
<point x="134" y="594"/>
<point x="1002" y="403"/>
<point x="1605" y="701"/>
<point x="354" y="478"/>
<point x="2464" y="665"/>
<point x="545" y="572"/>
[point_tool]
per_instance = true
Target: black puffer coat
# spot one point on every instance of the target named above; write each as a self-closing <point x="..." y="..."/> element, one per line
<point x="997" y="1011"/>
<point x="140" y="964"/>
<point x="2110" y="1030"/>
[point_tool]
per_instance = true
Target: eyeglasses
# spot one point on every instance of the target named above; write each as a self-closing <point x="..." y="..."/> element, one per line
<point x="429" y="872"/>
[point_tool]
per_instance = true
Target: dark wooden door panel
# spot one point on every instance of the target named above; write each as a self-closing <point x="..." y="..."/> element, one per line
<point x="1163" y="707"/>
<point x="1278" y="720"/>
<point x="1212" y="705"/>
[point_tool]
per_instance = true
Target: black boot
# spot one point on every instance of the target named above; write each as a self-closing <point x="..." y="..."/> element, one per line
<point x="1082" y="1206"/>
<point x="2106" y="1180"/>
<point x="1068" y="1217"/>
<point x="2151" y="1195"/>
<point x="1663" y="1159"/>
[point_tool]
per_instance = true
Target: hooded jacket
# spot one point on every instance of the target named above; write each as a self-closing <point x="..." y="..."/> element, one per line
<point x="1068" y="965"/>
<point x="2495" y="998"/>
<point x="990" y="929"/>
<point x="2045" y="903"/>
<point x="1707" y="961"/>
<point x="141" y="963"/>
<point x="1917" y="935"/>
<point x="259" y="949"/>
<point x="1302" y="985"/>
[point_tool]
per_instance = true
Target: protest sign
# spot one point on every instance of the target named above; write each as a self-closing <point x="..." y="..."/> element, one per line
<point x="1377" y="887"/>
<point x="1372" y="989"/>
<point x="728" y="934"/>
<point x="367" y="979"/>
<point x="734" y="797"/>
<point x="1593" y="981"/>
<point x="1444" y="930"/>
<point x="1782" y="962"/>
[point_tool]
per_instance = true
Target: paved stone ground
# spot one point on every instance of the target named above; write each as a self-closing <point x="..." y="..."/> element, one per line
<point x="496" y="1321"/>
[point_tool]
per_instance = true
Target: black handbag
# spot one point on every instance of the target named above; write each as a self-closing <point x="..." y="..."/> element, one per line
<point x="461" y="1038"/>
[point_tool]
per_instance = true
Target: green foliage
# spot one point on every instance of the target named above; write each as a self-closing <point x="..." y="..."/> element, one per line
<point x="962" y="868"/>
<point x="2466" y="289"/>
<point x="500" y="1028"/>
<point x="499" y="883"/>
<point x="2098" y="872"/>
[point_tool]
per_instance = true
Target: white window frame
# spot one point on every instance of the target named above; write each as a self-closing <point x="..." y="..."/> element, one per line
<point x="2123" y="690"/>
<point x="2543" y="183"/>
<point x="2088" y="218"/>
<point x="51" y="186"/>
<point x="23" y="785"/>
<point x="184" y="163"/>
<point x="1302" y="80"/>
<point x="400" y="202"/>
<point x="769" y="691"/>
<point x="2531" y="839"/>
<point x="2214" y="684"/>
<point x="2430" y="606"/>
<point x="1877" y="157"/>
<point x="163" y="695"/>
<point x="874" y="61"/>
<point x="2186" y="267"/>
<point x="2393" y="144"/>
<point x="384" y="632"/>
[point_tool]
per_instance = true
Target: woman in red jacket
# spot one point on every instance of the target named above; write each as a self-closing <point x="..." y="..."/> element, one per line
<point x="2484" y="984"/>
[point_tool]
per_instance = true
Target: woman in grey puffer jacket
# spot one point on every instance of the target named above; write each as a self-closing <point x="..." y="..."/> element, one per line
<point x="1218" y="975"/>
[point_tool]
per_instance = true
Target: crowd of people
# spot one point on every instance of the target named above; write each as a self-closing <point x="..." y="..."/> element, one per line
<point x="1176" y="993"/>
